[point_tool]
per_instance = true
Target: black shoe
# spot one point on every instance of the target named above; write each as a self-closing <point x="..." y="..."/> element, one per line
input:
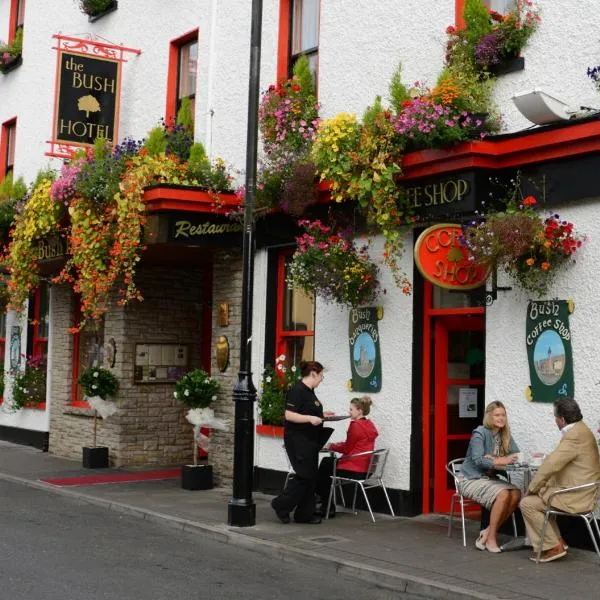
<point x="282" y="515"/>
<point x="312" y="521"/>
<point x="321" y="513"/>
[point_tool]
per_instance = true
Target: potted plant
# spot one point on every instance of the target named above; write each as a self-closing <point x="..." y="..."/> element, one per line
<point x="10" y="54"/>
<point x="95" y="9"/>
<point x="29" y="385"/>
<point x="98" y="384"/>
<point x="275" y="384"/>
<point x="198" y="390"/>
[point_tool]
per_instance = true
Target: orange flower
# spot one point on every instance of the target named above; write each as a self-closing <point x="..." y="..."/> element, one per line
<point x="545" y="266"/>
<point x="547" y="244"/>
<point x="529" y="201"/>
<point x="530" y="262"/>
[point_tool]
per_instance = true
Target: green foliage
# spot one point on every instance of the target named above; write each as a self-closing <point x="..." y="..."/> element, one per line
<point x="185" y="118"/>
<point x="477" y="21"/>
<point x="96" y="381"/>
<point x="197" y="389"/>
<point x="10" y="51"/>
<point x="156" y="142"/>
<point x="198" y="153"/>
<point x="29" y="386"/>
<point x="94" y="7"/>
<point x="275" y="384"/>
<point x="397" y="90"/>
<point x="2" y="381"/>
<point x="46" y="174"/>
<point x="372" y="113"/>
<point x="305" y="77"/>
<point x="11" y="192"/>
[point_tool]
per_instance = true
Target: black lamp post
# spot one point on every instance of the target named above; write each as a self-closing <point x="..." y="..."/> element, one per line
<point x="241" y="509"/>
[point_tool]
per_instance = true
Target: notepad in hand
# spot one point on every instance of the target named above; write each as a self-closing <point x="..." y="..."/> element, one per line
<point x="336" y="418"/>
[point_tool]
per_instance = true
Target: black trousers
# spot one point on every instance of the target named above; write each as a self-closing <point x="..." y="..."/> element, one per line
<point x="299" y="495"/>
<point x="324" y="480"/>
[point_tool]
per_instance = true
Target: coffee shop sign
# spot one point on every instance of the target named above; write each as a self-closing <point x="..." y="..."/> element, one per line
<point x="438" y="193"/>
<point x="444" y="261"/>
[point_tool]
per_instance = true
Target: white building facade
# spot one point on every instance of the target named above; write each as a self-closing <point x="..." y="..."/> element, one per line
<point x="355" y="48"/>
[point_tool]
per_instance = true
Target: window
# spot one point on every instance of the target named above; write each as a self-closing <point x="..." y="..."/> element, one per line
<point x="501" y="6"/>
<point x="295" y="317"/>
<point x="37" y="338"/>
<point x="7" y="147"/>
<point x="17" y="17"/>
<point x="298" y="35"/>
<point x="181" y="80"/>
<point x="88" y="351"/>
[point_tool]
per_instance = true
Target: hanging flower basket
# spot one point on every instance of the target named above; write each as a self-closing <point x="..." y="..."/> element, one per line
<point x="96" y="9"/>
<point x="329" y="265"/>
<point x="10" y="64"/>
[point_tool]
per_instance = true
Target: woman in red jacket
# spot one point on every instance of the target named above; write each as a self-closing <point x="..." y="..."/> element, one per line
<point x="360" y="438"/>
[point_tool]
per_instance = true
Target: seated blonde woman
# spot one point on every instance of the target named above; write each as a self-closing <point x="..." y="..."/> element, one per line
<point x="491" y="446"/>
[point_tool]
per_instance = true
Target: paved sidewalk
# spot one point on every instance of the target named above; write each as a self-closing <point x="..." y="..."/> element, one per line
<point x="414" y="557"/>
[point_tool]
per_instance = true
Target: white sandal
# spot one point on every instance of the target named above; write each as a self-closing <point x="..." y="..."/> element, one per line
<point x="479" y="543"/>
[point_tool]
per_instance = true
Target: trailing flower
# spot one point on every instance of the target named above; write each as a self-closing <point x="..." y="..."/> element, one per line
<point x="29" y="385"/>
<point x="38" y="217"/>
<point x="326" y="263"/>
<point x="275" y="384"/>
<point x="531" y="248"/>
<point x="288" y="117"/>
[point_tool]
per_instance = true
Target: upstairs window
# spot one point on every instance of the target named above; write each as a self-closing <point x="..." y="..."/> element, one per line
<point x="181" y="80"/>
<point x="502" y="7"/>
<point x="17" y="18"/>
<point x="298" y="35"/>
<point x="7" y="147"/>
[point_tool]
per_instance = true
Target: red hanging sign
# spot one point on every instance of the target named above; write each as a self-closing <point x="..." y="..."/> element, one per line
<point x="443" y="260"/>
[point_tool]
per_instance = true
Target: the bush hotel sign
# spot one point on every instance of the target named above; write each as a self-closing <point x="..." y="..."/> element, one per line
<point x="86" y="103"/>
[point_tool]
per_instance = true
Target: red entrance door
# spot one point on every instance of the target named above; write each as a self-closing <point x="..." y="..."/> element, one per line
<point x="458" y="394"/>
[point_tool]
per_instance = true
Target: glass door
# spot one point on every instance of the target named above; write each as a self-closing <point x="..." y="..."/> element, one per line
<point x="459" y="394"/>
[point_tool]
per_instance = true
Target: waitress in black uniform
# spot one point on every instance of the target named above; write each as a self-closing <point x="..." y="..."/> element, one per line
<point x="303" y="438"/>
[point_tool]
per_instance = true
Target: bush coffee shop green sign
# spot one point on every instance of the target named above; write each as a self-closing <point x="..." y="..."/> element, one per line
<point x="365" y="355"/>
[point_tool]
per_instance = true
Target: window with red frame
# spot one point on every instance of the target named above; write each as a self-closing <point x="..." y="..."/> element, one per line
<point x="298" y="35"/>
<point x="7" y="147"/>
<point x="39" y="319"/>
<point x="295" y="324"/>
<point x="88" y="351"/>
<point x="501" y="6"/>
<point x="17" y="18"/>
<point x="183" y="67"/>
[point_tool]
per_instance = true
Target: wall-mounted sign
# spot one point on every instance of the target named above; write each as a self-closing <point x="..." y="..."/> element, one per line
<point x="443" y="260"/>
<point x="549" y="352"/>
<point x="204" y="230"/>
<point x="87" y="91"/>
<point x="15" y="347"/>
<point x="51" y="247"/>
<point x="160" y="363"/>
<point x="365" y="356"/>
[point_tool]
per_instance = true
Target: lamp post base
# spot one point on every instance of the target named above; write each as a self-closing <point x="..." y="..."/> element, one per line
<point x="241" y="513"/>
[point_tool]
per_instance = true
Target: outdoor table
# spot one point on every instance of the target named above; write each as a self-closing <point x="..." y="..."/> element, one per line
<point x="526" y="471"/>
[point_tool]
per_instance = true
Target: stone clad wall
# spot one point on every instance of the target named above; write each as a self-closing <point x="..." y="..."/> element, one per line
<point x="150" y="427"/>
<point x="227" y="287"/>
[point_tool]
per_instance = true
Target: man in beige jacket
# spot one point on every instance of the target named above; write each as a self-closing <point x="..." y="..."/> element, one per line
<point x="574" y="462"/>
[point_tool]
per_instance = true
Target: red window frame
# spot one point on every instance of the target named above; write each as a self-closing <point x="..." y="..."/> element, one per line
<point x="7" y="146"/>
<point x="39" y="343"/>
<point x="281" y="334"/>
<point x="173" y="73"/>
<point x="459" y="7"/>
<point x="16" y="19"/>
<point x="284" y="43"/>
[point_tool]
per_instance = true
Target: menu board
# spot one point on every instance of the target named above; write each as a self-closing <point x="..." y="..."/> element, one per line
<point x="160" y="363"/>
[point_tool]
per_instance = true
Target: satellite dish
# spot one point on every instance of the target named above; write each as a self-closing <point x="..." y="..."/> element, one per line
<point x="540" y="108"/>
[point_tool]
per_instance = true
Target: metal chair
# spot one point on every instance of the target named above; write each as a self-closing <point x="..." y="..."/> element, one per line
<point x="454" y="468"/>
<point x="372" y="479"/>
<point x="589" y="517"/>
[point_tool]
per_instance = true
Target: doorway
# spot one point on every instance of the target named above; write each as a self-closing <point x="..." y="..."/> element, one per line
<point x="453" y="385"/>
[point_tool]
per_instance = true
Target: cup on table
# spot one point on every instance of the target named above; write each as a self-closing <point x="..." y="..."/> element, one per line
<point x="520" y="458"/>
<point x="537" y="458"/>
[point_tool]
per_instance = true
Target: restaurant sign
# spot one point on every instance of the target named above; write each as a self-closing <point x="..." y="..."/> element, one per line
<point x="365" y="355"/>
<point x="549" y="351"/>
<point x="444" y="261"/>
<point x="203" y="229"/>
<point x="87" y="91"/>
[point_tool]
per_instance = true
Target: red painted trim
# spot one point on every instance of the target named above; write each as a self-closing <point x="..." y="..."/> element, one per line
<point x="270" y="430"/>
<point x="172" y="75"/>
<point x="283" y="42"/>
<point x="440" y="454"/>
<point x="426" y="398"/>
<point x="510" y="151"/>
<point x="470" y="310"/>
<point x="12" y="20"/>
<point x="458" y="14"/>
<point x="189" y="199"/>
<point x="4" y="144"/>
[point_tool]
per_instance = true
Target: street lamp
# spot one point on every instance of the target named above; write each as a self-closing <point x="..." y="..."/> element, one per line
<point x="241" y="511"/>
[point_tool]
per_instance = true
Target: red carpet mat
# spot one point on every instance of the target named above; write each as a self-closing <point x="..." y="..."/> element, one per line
<point x="114" y="477"/>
